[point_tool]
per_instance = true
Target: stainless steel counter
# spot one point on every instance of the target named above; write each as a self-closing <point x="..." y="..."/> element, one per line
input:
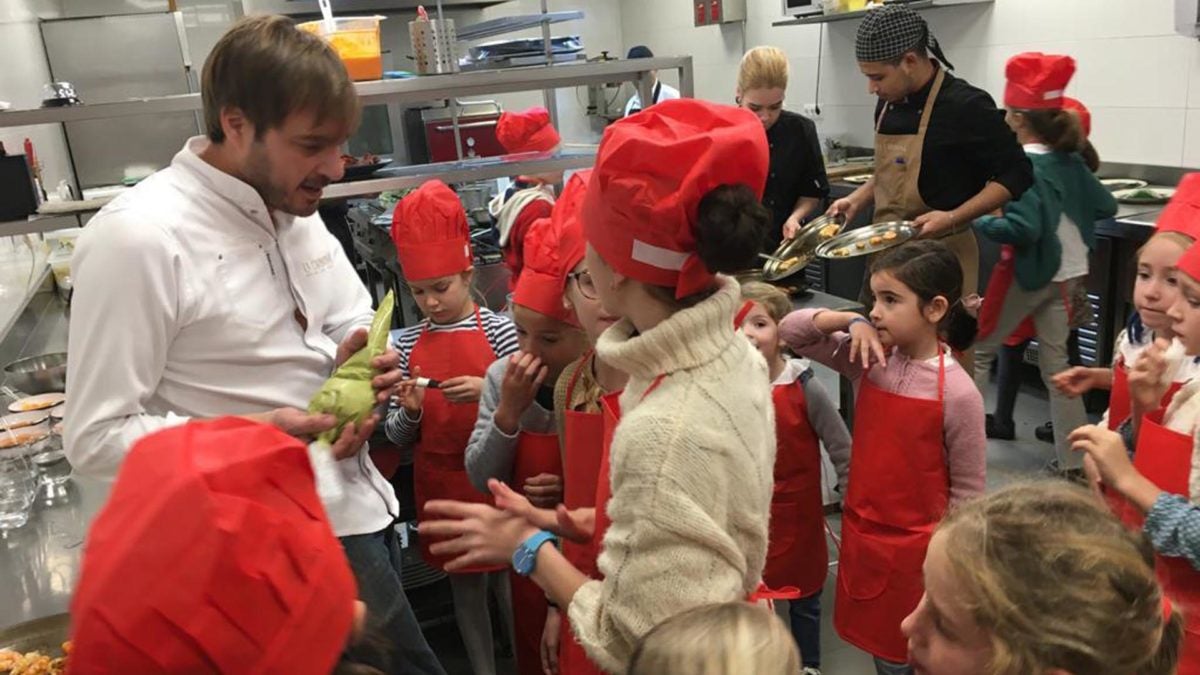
<point x="40" y="562"/>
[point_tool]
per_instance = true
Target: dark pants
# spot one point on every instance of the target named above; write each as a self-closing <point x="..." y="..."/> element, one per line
<point x="375" y="559"/>
<point x="805" y="617"/>
<point x="1008" y="375"/>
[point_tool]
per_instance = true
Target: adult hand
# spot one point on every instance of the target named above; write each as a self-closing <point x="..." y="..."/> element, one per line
<point x="522" y="378"/>
<point x="464" y="389"/>
<point x="550" y="641"/>
<point x="846" y="206"/>
<point x="1107" y="451"/>
<point x="293" y="422"/>
<point x="1147" y="378"/>
<point x="791" y="226"/>
<point x="544" y="490"/>
<point x="409" y="395"/>
<point x="474" y="534"/>
<point x="865" y="344"/>
<point x="354" y="341"/>
<point x="1074" y="381"/>
<point x="936" y="223"/>
<point x="354" y="437"/>
<point x="388" y="375"/>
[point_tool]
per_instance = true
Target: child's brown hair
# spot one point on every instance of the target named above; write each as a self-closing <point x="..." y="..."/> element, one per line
<point x="1059" y="583"/>
<point x="734" y="638"/>
<point x="774" y="300"/>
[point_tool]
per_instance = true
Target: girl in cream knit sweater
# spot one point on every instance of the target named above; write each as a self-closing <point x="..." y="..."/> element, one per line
<point x="692" y="458"/>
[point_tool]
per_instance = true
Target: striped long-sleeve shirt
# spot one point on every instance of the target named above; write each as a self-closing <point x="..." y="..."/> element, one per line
<point x="501" y="334"/>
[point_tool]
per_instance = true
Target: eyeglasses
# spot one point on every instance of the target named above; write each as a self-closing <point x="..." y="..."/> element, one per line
<point x="587" y="287"/>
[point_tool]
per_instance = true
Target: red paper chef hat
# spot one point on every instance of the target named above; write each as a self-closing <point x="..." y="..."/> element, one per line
<point x="527" y="131"/>
<point x="1036" y="80"/>
<point x="1182" y="213"/>
<point x="553" y="247"/>
<point x="431" y="235"/>
<point x="1189" y="262"/>
<point x="213" y="554"/>
<point x="1081" y="111"/>
<point x="651" y="171"/>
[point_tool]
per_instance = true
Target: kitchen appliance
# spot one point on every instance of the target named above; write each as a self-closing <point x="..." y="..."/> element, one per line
<point x="430" y="132"/>
<point x="802" y="7"/>
<point x="58" y="94"/>
<point x="356" y="41"/>
<point x="18" y="196"/>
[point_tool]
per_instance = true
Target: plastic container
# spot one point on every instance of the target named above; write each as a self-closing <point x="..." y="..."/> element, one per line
<point x="356" y="41"/>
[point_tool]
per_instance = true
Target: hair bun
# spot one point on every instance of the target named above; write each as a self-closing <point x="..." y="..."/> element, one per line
<point x="731" y="225"/>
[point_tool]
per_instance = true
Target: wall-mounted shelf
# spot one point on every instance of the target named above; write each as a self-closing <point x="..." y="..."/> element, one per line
<point x="850" y="16"/>
<point x="348" y="7"/>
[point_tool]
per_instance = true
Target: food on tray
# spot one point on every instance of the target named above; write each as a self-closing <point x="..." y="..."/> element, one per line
<point x="843" y="252"/>
<point x="829" y="231"/>
<point x="23" y="436"/>
<point x="860" y="245"/>
<point x="39" y="402"/>
<point x="366" y="160"/>
<point x="788" y="264"/>
<point x="25" y="419"/>
<point x="876" y="240"/>
<point x="890" y="235"/>
<point x="33" y="663"/>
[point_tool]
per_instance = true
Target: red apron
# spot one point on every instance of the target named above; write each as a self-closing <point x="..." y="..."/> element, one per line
<point x="899" y="490"/>
<point x="438" y="468"/>
<point x="583" y="441"/>
<point x="1120" y="407"/>
<point x="1165" y="458"/>
<point x="536" y="454"/>
<point x="610" y="404"/>
<point x="797" y="555"/>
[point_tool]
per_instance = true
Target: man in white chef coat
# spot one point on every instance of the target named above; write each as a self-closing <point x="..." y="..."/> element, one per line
<point x="212" y="288"/>
<point x="661" y="91"/>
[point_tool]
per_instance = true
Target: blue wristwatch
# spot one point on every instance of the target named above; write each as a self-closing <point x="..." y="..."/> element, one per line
<point x="525" y="557"/>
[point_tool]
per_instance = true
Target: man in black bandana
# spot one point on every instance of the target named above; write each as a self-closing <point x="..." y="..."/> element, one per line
<point x="943" y="153"/>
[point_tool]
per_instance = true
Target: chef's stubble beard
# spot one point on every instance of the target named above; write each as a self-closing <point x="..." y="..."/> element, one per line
<point x="258" y="173"/>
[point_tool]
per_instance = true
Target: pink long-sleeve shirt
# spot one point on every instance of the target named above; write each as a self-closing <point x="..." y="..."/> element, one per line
<point x="965" y="441"/>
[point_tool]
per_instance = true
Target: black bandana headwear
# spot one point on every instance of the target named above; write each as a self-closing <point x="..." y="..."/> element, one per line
<point x="891" y="31"/>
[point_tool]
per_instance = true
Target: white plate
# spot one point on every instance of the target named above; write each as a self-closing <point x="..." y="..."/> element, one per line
<point x="23" y="419"/>
<point x="58" y="411"/>
<point x="39" y="402"/>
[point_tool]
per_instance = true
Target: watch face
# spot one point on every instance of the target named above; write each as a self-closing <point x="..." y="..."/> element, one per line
<point x="523" y="560"/>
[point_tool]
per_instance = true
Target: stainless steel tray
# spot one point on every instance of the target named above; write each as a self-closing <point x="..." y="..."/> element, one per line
<point x="794" y="254"/>
<point x="45" y="635"/>
<point x="867" y="240"/>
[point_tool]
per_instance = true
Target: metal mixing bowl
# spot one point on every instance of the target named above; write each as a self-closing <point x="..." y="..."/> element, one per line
<point x="38" y="374"/>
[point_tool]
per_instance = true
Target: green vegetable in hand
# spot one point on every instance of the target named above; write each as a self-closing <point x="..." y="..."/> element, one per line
<point x="348" y="394"/>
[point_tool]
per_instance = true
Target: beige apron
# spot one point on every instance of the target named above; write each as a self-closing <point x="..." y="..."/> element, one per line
<point x="898" y="194"/>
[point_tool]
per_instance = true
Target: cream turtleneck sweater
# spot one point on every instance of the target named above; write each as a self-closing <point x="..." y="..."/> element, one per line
<point x="692" y="475"/>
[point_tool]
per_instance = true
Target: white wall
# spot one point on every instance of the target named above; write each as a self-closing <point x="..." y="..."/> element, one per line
<point x="1140" y="80"/>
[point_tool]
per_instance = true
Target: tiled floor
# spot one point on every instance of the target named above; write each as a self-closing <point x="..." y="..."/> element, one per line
<point x="1007" y="461"/>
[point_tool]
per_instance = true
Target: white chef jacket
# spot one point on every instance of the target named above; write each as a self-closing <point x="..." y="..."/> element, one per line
<point x="185" y="303"/>
<point x="662" y="92"/>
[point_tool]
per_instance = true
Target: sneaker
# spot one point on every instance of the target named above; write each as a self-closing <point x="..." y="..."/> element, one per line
<point x="999" y="430"/>
<point x="1045" y="432"/>
<point x="809" y="670"/>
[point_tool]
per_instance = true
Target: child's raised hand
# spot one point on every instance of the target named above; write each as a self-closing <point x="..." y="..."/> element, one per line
<point x="865" y="344"/>
<point x="1107" y="452"/>
<point x="524" y="375"/>
<point x="1147" y="378"/>
<point x="1074" y="381"/>
<point x="409" y="395"/>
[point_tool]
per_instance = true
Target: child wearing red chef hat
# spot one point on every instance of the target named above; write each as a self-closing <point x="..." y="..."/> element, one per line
<point x="515" y="437"/>
<point x="673" y="203"/>
<point x="452" y="346"/>
<point x="1051" y="228"/>
<point x="1161" y="486"/>
<point x="530" y="197"/>
<point x="214" y="555"/>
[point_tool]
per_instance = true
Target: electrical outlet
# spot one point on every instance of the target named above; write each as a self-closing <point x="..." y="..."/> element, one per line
<point x="812" y="111"/>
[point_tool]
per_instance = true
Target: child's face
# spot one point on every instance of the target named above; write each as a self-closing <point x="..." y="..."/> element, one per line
<point x="554" y="342"/>
<point x="943" y="637"/>
<point x="1156" y="289"/>
<point x="897" y="313"/>
<point x="1185" y="315"/>
<point x="444" y="299"/>
<point x="583" y="297"/>
<point x="762" y="331"/>
<point x="604" y="281"/>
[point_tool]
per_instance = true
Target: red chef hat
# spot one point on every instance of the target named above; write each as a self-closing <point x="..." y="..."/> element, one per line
<point x="431" y="235"/>
<point x="1081" y="111"/>
<point x="1189" y="262"/>
<point x="651" y="171"/>
<point x="1036" y="81"/>
<point x="553" y="247"/>
<point x="527" y="131"/>
<point x="1182" y="213"/>
<point x="213" y="554"/>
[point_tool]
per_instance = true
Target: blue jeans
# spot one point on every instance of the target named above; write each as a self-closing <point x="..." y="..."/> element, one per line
<point x="805" y="616"/>
<point x="375" y="559"/>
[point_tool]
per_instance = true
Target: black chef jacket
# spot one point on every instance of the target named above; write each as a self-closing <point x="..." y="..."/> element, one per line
<point x="797" y="170"/>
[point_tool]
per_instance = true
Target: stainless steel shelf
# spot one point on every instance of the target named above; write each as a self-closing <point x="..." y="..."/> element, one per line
<point x="464" y="171"/>
<point x="512" y="24"/>
<point x="19" y="286"/>
<point x="346" y="7"/>
<point x="39" y="224"/>
<point x="850" y="16"/>
<point x="410" y="91"/>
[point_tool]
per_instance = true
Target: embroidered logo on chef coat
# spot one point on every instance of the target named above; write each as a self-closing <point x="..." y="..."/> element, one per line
<point x="318" y="265"/>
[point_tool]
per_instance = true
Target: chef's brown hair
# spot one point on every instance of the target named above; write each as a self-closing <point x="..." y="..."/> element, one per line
<point x="268" y="69"/>
<point x="763" y="68"/>
<point x="1060" y="584"/>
